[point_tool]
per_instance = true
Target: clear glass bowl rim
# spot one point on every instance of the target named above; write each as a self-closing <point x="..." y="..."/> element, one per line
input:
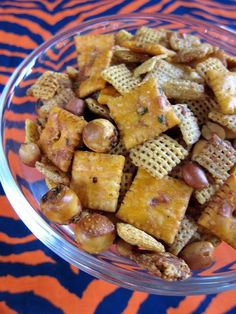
<point x="53" y="240"/>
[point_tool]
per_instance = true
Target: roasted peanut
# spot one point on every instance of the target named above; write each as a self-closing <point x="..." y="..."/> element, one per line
<point x="29" y="153"/>
<point x="211" y="128"/>
<point x="194" y="176"/>
<point x="198" y="254"/>
<point x="95" y="233"/>
<point x="72" y="72"/>
<point x="229" y="134"/>
<point x="76" y="106"/>
<point x="100" y="135"/>
<point x="198" y="148"/>
<point x="61" y="205"/>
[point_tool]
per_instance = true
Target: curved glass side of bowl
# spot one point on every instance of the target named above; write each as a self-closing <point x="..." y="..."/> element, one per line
<point x="24" y="186"/>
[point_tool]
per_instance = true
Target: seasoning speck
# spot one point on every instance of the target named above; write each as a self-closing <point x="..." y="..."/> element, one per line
<point x="161" y="118"/>
<point x="142" y="110"/>
<point x="95" y="179"/>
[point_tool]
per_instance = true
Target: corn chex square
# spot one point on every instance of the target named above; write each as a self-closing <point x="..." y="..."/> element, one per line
<point x="158" y="156"/>
<point x="150" y="35"/>
<point x="227" y="120"/>
<point x="218" y="215"/>
<point x="201" y="107"/>
<point x="210" y="64"/>
<point x="218" y="157"/>
<point x="187" y="229"/>
<point x="121" y="78"/>
<point x="45" y="87"/>
<point x="60" y="137"/>
<point x="178" y="89"/>
<point x="142" y="114"/>
<point x="156" y="206"/>
<point x="203" y="196"/>
<point x="180" y="41"/>
<point x="121" y="36"/>
<point x="188" y="124"/>
<point x="96" y="179"/>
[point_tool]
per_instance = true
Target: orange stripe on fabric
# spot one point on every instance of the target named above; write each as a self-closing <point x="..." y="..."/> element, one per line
<point x="218" y="5"/>
<point x="74" y="269"/>
<point x="132" y="6"/>
<point x="188" y="305"/>
<point x="17" y="40"/>
<point x="6" y="210"/>
<point x="222" y="303"/>
<point x="220" y="12"/>
<point x="10" y="53"/>
<point x="4" y="78"/>
<point x="66" y="301"/>
<point x="6" y="69"/>
<point x="95" y="292"/>
<point x="209" y="16"/>
<point x="32" y="26"/>
<point x="28" y="258"/>
<point x="224" y="254"/>
<point x="92" y="12"/>
<point x="156" y="7"/>
<point x="10" y="240"/>
<point x="135" y="301"/>
<point x="5" y="309"/>
<point x="26" y="4"/>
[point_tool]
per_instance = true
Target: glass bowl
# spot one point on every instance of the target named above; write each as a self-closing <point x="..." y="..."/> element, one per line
<point x="24" y="186"/>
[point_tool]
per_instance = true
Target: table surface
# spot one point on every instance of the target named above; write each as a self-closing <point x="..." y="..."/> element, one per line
<point x="32" y="278"/>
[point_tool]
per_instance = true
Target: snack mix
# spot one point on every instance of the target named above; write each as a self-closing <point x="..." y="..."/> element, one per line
<point x="137" y="146"/>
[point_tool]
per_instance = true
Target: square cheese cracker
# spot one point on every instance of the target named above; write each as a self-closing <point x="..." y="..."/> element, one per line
<point x="156" y="206"/>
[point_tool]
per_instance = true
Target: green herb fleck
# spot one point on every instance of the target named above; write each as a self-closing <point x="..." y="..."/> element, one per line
<point x="142" y="110"/>
<point x="76" y="85"/>
<point x="161" y="118"/>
